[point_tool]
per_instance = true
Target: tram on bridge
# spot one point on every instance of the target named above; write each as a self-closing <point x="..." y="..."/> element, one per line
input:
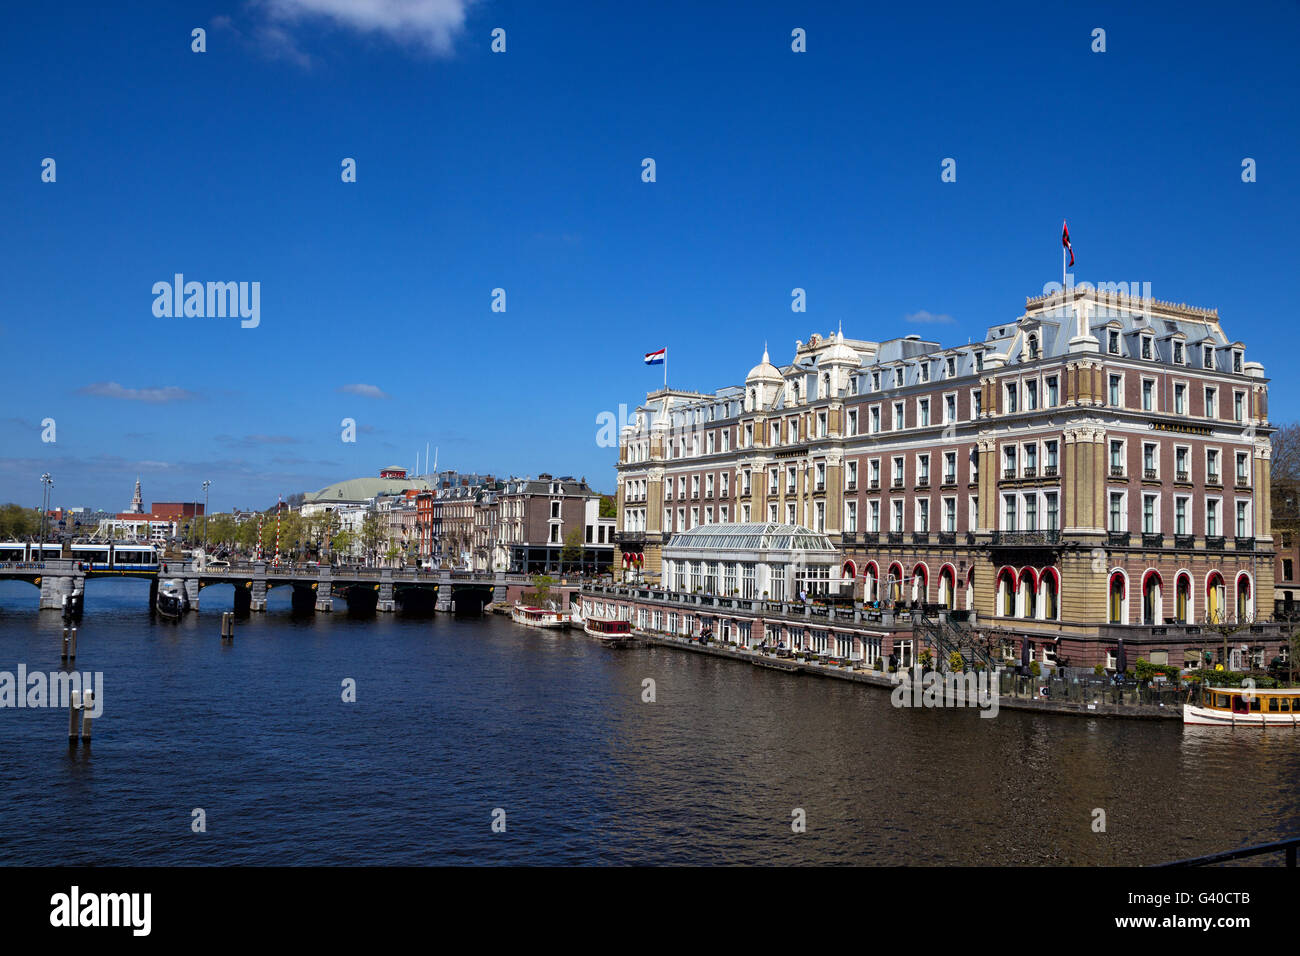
<point x="96" y="557"/>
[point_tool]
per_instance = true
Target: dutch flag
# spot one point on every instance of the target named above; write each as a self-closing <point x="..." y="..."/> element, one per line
<point x="656" y="358"/>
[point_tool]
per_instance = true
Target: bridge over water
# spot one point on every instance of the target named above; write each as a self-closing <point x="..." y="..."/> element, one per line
<point x="386" y="589"/>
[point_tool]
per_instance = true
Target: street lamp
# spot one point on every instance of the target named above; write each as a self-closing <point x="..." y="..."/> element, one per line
<point x="205" y="519"/>
<point x="46" y="482"/>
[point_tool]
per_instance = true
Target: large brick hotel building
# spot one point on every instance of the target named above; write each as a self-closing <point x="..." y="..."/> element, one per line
<point x="1095" y="469"/>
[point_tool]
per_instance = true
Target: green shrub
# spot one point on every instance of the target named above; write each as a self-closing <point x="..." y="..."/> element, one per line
<point x="1034" y="669"/>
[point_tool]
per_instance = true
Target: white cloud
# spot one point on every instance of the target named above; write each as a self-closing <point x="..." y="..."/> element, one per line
<point x="365" y="391"/>
<point x="169" y="393"/>
<point x="430" y="24"/>
<point x="929" y="318"/>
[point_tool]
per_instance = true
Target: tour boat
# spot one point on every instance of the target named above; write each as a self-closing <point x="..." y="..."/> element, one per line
<point x="539" y="616"/>
<point x="172" y="599"/>
<point x="1241" y="707"/>
<point x="615" y="633"/>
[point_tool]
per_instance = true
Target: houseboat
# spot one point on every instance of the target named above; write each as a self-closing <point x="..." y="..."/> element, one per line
<point x="547" y="617"/>
<point x="1242" y="707"/>
<point x="615" y="633"/>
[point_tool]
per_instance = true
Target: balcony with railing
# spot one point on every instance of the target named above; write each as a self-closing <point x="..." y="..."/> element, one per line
<point x="1153" y="539"/>
<point x="1182" y="478"/>
<point x="895" y="537"/>
<point x="1149" y="474"/>
<point x="1214" y="542"/>
<point x="1026" y="539"/>
<point x="920" y="537"/>
<point x="1049" y="471"/>
<point x="947" y="537"/>
<point x="1117" y="471"/>
<point x="1030" y="471"/>
<point x="1117" y="539"/>
<point x="1243" y="544"/>
<point x="898" y="482"/>
<point x="1212" y="478"/>
<point x="1184" y="541"/>
<point x="873" y="485"/>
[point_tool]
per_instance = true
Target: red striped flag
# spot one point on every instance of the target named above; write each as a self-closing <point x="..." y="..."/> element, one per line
<point x="1065" y="240"/>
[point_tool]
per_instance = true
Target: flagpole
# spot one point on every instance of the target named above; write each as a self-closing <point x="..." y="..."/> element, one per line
<point x="665" y="370"/>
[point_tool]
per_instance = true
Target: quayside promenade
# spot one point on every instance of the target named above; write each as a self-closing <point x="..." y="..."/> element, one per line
<point x="858" y="643"/>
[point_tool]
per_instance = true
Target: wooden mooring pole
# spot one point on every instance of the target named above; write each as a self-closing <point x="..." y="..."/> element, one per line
<point x="81" y="702"/>
<point x="227" y="626"/>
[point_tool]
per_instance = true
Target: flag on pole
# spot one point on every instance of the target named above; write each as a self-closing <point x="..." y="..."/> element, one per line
<point x="656" y="358"/>
<point x="1065" y="240"/>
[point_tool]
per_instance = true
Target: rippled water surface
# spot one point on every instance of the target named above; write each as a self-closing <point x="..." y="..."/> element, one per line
<point x="455" y="718"/>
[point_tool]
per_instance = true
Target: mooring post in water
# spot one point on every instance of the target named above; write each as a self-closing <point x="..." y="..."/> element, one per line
<point x="72" y="651"/>
<point x="87" y="704"/>
<point x="65" y="643"/>
<point x="227" y="625"/>
<point x="74" y="705"/>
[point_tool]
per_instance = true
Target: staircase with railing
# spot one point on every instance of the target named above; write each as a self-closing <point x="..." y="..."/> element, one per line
<point x="949" y="634"/>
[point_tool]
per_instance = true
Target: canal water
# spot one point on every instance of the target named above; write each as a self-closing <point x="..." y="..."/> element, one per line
<point x="456" y="719"/>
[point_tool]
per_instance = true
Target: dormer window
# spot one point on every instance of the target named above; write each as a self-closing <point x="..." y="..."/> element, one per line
<point x="1207" y="356"/>
<point x="898" y="377"/>
<point x="925" y="371"/>
<point x="951" y="367"/>
<point x="875" y="381"/>
<point x="1112" y="342"/>
<point x="1033" y="347"/>
<point x="1146" y="347"/>
<point x="979" y="361"/>
<point x="1178" y="353"/>
<point x="1236" y="361"/>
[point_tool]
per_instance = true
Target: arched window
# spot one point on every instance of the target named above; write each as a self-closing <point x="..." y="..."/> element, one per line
<point x="1007" y="592"/>
<point x="895" y="582"/>
<point x="1152" y="586"/>
<point x="1216" y="597"/>
<point x="948" y="587"/>
<point x="970" y="589"/>
<point x="1028" y="593"/>
<point x="871" y="582"/>
<point x="1183" y="598"/>
<point x="826" y="385"/>
<point x="1117" y="598"/>
<point x="920" y="584"/>
<point x="1050" y="588"/>
<point x="1245" y="605"/>
<point x="1033" y="347"/>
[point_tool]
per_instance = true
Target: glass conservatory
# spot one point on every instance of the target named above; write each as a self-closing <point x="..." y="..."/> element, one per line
<point x="776" y="561"/>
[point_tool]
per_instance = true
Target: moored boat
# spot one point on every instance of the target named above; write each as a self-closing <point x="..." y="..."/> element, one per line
<point x="546" y="617"/>
<point x="608" y="630"/>
<point x="1245" y="707"/>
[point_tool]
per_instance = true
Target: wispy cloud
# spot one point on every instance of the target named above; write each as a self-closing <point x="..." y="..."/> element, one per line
<point x="249" y="441"/>
<point x="929" y="318"/>
<point x="430" y="26"/>
<point x="365" y="391"/>
<point x="157" y="396"/>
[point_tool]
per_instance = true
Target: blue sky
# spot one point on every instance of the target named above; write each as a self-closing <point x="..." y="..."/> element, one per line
<point x="522" y="170"/>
